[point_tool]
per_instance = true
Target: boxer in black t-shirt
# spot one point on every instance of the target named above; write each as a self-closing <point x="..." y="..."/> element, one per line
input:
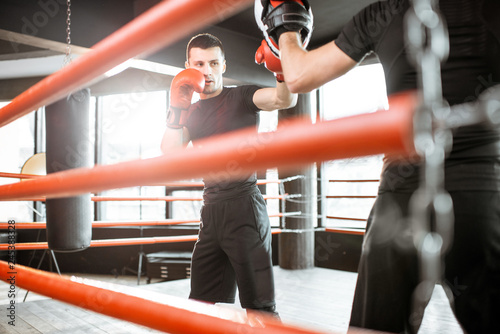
<point x="234" y="242"/>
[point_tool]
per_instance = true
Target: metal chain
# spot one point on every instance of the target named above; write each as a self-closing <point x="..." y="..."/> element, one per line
<point x="431" y="207"/>
<point x="67" y="58"/>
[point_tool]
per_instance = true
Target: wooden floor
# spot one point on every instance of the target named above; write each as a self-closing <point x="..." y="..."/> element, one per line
<point x="314" y="298"/>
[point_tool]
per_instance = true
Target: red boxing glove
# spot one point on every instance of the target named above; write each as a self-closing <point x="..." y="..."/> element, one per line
<point x="272" y="63"/>
<point x="182" y="88"/>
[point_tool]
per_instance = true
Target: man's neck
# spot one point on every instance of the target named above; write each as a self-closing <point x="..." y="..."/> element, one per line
<point x="209" y="96"/>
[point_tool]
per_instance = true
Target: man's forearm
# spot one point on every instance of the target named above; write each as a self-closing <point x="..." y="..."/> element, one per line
<point x="291" y="53"/>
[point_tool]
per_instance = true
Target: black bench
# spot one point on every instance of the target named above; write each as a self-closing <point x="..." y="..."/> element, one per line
<point x="168" y="265"/>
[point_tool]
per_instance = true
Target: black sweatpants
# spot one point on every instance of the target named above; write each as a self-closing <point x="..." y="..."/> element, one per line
<point x="234" y="247"/>
<point x="388" y="269"/>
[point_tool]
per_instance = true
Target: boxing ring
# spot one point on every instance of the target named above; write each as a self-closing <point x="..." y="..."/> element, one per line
<point x="295" y="144"/>
<point x="312" y="143"/>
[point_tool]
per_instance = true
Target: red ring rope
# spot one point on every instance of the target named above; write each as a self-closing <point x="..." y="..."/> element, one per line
<point x="240" y="152"/>
<point x="168" y="318"/>
<point x="160" y="26"/>
<point x="112" y="242"/>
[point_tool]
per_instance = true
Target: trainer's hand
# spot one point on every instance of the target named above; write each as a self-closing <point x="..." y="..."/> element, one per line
<point x="265" y="56"/>
<point x="182" y="88"/>
<point x="276" y="17"/>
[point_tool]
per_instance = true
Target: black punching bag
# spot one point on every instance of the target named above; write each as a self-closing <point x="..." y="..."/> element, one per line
<point x="69" y="220"/>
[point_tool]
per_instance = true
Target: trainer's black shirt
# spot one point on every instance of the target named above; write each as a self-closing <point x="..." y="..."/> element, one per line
<point x="473" y="65"/>
<point x="231" y="110"/>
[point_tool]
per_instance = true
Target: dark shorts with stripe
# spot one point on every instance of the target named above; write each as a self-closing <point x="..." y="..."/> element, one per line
<point x="234" y="250"/>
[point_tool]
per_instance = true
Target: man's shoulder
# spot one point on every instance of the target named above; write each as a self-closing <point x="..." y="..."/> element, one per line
<point x="242" y="89"/>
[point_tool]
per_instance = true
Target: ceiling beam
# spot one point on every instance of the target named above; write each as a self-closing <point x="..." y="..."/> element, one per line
<point x="16" y="39"/>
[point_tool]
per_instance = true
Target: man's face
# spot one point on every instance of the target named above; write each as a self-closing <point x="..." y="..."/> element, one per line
<point x="211" y="63"/>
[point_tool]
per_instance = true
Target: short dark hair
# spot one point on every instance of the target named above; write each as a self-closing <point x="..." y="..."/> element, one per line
<point x="204" y="41"/>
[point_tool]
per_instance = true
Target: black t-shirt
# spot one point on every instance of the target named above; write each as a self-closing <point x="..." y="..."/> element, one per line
<point x="472" y="66"/>
<point x="231" y="110"/>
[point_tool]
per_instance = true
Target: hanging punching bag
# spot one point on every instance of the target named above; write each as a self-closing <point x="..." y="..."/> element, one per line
<point x="69" y="220"/>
